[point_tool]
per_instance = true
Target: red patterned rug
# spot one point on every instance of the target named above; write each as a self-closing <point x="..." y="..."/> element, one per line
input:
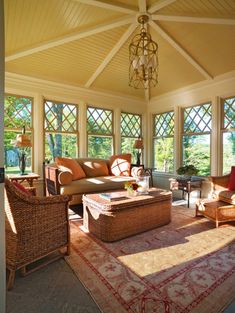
<point x="186" y="266"/>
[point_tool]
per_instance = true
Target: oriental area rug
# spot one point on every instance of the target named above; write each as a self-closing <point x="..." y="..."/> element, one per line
<point x="185" y="266"/>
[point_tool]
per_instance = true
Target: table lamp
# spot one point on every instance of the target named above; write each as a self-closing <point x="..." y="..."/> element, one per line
<point x="138" y="144"/>
<point x="22" y="141"/>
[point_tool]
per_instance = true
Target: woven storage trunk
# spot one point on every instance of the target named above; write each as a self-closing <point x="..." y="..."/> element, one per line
<point x="114" y="220"/>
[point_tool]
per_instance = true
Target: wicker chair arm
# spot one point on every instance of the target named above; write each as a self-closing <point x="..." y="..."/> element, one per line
<point x="219" y="182"/>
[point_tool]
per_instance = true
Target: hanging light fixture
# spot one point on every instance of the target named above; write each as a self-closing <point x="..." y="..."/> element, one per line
<point x="143" y="57"/>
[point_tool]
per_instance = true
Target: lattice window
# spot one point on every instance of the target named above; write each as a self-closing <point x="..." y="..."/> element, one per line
<point x="130" y="125"/>
<point x="60" y="117"/>
<point x="163" y="142"/>
<point x="229" y="113"/>
<point x="197" y="119"/>
<point x="61" y="129"/>
<point x="99" y="121"/>
<point x="228" y="133"/>
<point x="17" y="114"/>
<point x="164" y="124"/>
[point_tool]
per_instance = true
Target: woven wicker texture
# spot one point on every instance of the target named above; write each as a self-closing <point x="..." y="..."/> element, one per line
<point x="35" y="227"/>
<point x="114" y="220"/>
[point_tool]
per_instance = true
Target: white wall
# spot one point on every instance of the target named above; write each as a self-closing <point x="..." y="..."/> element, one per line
<point x="2" y="218"/>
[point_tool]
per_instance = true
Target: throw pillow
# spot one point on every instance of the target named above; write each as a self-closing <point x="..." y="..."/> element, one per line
<point x="95" y="168"/>
<point x="21" y="187"/>
<point x="231" y="183"/>
<point x="65" y="178"/>
<point x="120" y="165"/>
<point x="70" y="165"/>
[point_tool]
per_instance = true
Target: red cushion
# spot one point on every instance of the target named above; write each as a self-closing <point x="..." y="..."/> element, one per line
<point x="20" y="187"/>
<point x="231" y="183"/>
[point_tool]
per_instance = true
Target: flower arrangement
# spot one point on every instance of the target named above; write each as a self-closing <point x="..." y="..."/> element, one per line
<point x="131" y="186"/>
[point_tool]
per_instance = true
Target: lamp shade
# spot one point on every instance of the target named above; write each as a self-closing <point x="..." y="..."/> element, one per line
<point x="138" y="144"/>
<point x="22" y="140"/>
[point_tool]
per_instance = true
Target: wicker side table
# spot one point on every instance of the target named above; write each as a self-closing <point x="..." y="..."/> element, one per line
<point x="217" y="211"/>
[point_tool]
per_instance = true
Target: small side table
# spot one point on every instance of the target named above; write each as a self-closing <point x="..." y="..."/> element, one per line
<point x="29" y="178"/>
<point x="186" y="186"/>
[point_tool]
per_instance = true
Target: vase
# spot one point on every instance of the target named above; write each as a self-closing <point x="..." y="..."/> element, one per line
<point x="143" y="182"/>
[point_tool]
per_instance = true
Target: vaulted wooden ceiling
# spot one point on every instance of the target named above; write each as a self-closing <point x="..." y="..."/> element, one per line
<point x="85" y="43"/>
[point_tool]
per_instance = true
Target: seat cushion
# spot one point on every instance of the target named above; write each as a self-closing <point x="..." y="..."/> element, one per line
<point x="72" y="166"/>
<point x="227" y="196"/>
<point x="120" y="164"/>
<point x="95" y="184"/>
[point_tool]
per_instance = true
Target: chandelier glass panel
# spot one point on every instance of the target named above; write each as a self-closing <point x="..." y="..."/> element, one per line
<point x="143" y="57"/>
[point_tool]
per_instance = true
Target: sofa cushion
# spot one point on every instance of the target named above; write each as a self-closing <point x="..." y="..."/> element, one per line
<point x="21" y="187"/>
<point x="120" y="164"/>
<point x="72" y="166"/>
<point x="65" y="177"/>
<point x="95" y="168"/>
<point x="95" y="184"/>
<point x="227" y="196"/>
<point x="231" y="182"/>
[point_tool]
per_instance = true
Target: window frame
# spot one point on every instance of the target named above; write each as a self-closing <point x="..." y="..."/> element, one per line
<point x="27" y="130"/>
<point x="159" y="137"/>
<point x="60" y="132"/>
<point x="195" y="133"/>
<point x="111" y="135"/>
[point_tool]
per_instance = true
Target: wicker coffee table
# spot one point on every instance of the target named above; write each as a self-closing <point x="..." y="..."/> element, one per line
<point x="111" y="220"/>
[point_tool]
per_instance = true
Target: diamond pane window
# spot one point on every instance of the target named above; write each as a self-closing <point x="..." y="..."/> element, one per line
<point x="228" y="133"/>
<point x="163" y="142"/>
<point x="17" y="113"/>
<point x="164" y="124"/>
<point x="197" y="119"/>
<point x="61" y="129"/>
<point x="60" y="117"/>
<point x="99" y="132"/>
<point x="196" y="137"/>
<point x="130" y="125"/>
<point x="99" y="121"/>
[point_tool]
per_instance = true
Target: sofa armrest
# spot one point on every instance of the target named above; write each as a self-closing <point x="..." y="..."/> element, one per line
<point x="52" y="185"/>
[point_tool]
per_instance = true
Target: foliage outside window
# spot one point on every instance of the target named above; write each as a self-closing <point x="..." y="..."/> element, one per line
<point x="17" y="113"/>
<point x="163" y="142"/>
<point x="100" y="132"/>
<point x="196" y="137"/>
<point x="61" y="130"/>
<point x="130" y="131"/>
<point x="228" y="133"/>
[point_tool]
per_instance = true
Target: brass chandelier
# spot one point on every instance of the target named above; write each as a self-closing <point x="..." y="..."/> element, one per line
<point x="143" y="57"/>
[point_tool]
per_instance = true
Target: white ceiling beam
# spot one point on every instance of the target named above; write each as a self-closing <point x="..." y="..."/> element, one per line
<point x="190" y="19"/>
<point x="142" y="6"/>
<point x="68" y="38"/>
<point x="108" y="6"/>
<point x="111" y="54"/>
<point x="160" y="5"/>
<point x="185" y="54"/>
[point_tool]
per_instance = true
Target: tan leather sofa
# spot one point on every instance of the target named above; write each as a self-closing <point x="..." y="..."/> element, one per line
<point x="57" y="180"/>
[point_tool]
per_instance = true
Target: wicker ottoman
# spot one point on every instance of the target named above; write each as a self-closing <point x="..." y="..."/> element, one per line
<point x="112" y="220"/>
<point x="215" y="210"/>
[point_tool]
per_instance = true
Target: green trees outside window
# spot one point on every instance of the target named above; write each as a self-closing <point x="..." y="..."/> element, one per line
<point x="61" y="130"/>
<point x="163" y="142"/>
<point x="17" y="114"/>
<point x="228" y="133"/>
<point x="99" y="132"/>
<point x="196" y="137"/>
<point x="131" y="129"/>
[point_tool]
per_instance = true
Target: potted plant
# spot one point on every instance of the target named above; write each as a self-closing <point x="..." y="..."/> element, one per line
<point x="187" y="171"/>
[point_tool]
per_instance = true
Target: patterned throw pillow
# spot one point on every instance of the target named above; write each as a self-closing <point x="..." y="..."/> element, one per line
<point x="120" y="165"/>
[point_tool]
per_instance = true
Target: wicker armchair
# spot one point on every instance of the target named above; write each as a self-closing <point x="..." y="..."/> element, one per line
<point x="35" y="228"/>
<point x="219" y="183"/>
